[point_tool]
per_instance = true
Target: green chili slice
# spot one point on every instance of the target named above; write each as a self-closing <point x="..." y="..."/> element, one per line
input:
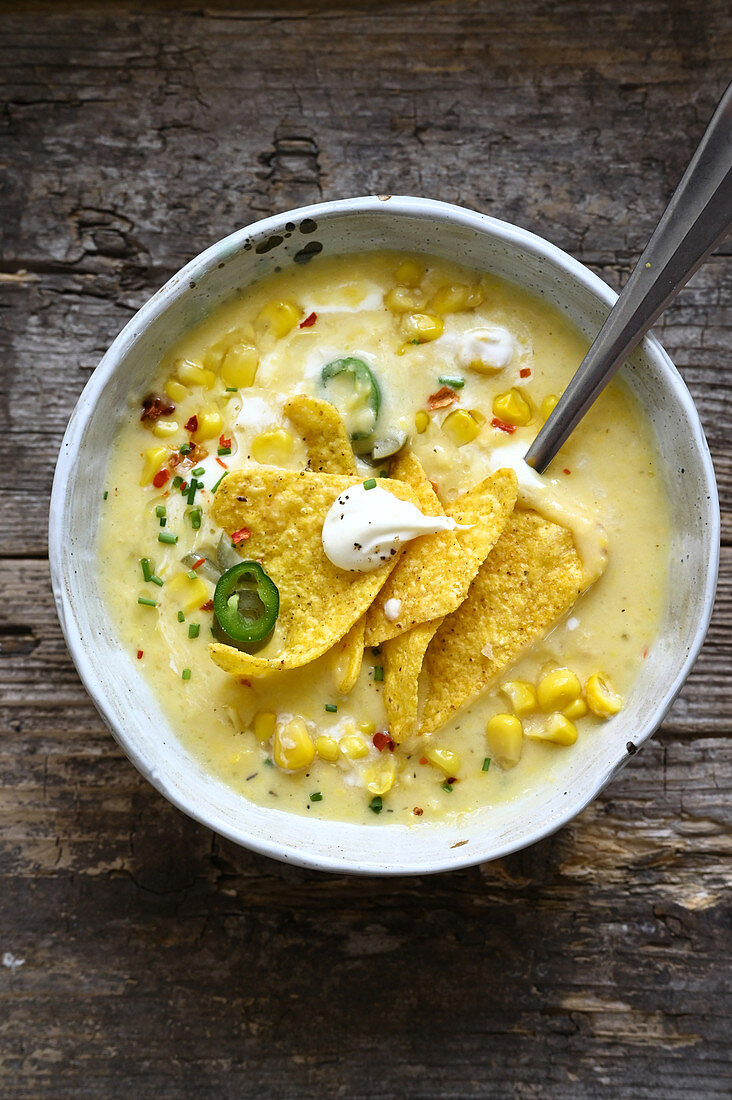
<point x="246" y="602"/>
<point x="342" y="380"/>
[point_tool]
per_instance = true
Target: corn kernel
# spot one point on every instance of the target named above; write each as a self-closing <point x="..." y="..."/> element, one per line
<point x="354" y="747"/>
<point x="164" y="428"/>
<point x="422" y="327"/>
<point x="557" y="729"/>
<point x="327" y="749"/>
<point x="193" y="374"/>
<point x="422" y="421"/>
<point x="293" y="747"/>
<point x="453" y="297"/>
<point x="505" y="739"/>
<point x="239" y="365"/>
<point x="379" y="777"/>
<point x="409" y="273"/>
<point x="461" y="427"/>
<point x="210" y="425"/>
<point x="404" y="299"/>
<point x="512" y="408"/>
<point x="368" y="729"/>
<point x="153" y="459"/>
<point x="548" y="405"/>
<point x="264" y="725"/>
<point x="445" y="759"/>
<point x="175" y="390"/>
<point x="272" y="448"/>
<point x="602" y="699"/>
<point x="558" y="689"/>
<point x="576" y="709"/>
<point x="186" y="593"/>
<point x="480" y="418"/>
<point x="520" y="695"/>
<point x="279" y="318"/>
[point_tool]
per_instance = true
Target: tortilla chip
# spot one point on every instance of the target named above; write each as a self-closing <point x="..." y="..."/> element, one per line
<point x="403" y="657"/>
<point x="486" y="507"/>
<point x="426" y="581"/>
<point x="530" y="579"/>
<point x="319" y="603"/>
<point x="324" y="433"/>
<point x="349" y="657"/>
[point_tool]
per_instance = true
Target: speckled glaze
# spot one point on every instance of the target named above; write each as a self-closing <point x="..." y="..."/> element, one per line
<point x="125" y="700"/>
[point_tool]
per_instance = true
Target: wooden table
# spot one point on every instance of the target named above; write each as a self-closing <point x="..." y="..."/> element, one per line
<point x="142" y="955"/>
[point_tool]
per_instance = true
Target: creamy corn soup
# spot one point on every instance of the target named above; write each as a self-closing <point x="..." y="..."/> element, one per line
<point x="447" y="369"/>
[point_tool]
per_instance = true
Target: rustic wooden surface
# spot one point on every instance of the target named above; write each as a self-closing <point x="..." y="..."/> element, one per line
<point x="143" y="956"/>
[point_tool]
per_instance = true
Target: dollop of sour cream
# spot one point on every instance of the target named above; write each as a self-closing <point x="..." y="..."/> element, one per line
<point x="487" y="349"/>
<point x="366" y="527"/>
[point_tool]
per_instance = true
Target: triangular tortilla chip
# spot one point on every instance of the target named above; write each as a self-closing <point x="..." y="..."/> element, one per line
<point x="284" y="510"/>
<point x="427" y="580"/>
<point x="486" y="507"/>
<point x="349" y="657"/>
<point x="531" y="578"/>
<point x="324" y="433"/>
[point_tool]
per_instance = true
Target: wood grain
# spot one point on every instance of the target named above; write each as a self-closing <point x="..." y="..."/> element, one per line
<point x="159" y="960"/>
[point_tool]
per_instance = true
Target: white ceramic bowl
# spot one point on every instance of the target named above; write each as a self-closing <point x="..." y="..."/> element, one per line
<point x="125" y="700"/>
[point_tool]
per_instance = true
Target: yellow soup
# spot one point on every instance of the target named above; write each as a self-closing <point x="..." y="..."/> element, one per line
<point x="467" y="368"/>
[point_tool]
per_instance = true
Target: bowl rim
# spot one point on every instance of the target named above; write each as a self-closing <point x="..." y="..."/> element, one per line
<point x="176" y="287"/>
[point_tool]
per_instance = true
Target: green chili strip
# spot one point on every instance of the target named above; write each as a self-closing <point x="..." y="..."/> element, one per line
<point x="363" y="384"/>
<point x="246" y="602"/>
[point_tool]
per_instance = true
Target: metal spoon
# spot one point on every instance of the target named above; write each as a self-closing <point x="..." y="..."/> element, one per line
<point x="692" y="225"/>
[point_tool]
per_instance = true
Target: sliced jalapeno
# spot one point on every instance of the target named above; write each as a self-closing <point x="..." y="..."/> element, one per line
<point x="246" y="602"/>
<point x="350" y="385"/>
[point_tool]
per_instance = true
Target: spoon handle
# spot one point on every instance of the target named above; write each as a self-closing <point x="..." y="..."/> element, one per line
<point x="692" y="225"/>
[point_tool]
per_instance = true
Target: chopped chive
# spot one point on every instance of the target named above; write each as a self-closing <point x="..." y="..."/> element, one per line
<point x="268" y="762"/>
<point x="157" y="581"/>
<point x="198" y="471"/>
<point x="219" y="481"/>
<point x="376" y="804"/>
<point x="195" y="518"/>
<point x="167" y="536"/>
<point x="181" y="617"/>
<point x="232" y="389"/>
<point x="193" y="629"/>
<point x="383" y="473"/>
<point x="378" y="673"/>
<point x="146" y="569"/>
<point x="224" y="450"/>
<point x="486" y="764"/>
<point x="370" y="483"/>
<point x="316" y="796"/>
<point x="160" y="511"/>
<point x="186" y="448"/>
<point x="415" y="341"/>
<point x="163" y="521"/>
<point x="185" y="674"/>
<point x="177" y="481"/>
<point x="452" y="382"/>
<point x="376" y="651"/>
<point x="147" y="603"/>
<point x="191" y="494"/>
<point x="446" y="786"/>
<point x="106" y="494"/>
<point x="192" y="574"/>
<point x="331" y="708"/>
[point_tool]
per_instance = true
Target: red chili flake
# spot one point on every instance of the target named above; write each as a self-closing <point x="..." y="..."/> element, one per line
<point x="160" y="478"/>
<point x="224" y="441"/>
<point x="192" y="424"/>
<point x="222" y="463"/>
<point x="525" y="372"/>
<point x="434" y="486"/>
<point x="502" y="426"/>
<point x="309" y="321"/>
<point x="246" y="683"/>
<point x="444" y="397"/>
<point x="451" y="780"/>
<point x="645" y="653"/>
<point x="241" y="535"/>
<point x="423" y="760"/>
<point x="207" y="606"/>
<point x="566" y="471"/>
<point x="154" y="406"/>
<point x="198" y="564"/>
<point x="183" y="486"/>
<point x="417" y="811"/>
<point x="139" y="654"/>
<point x="383" y="741"/>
